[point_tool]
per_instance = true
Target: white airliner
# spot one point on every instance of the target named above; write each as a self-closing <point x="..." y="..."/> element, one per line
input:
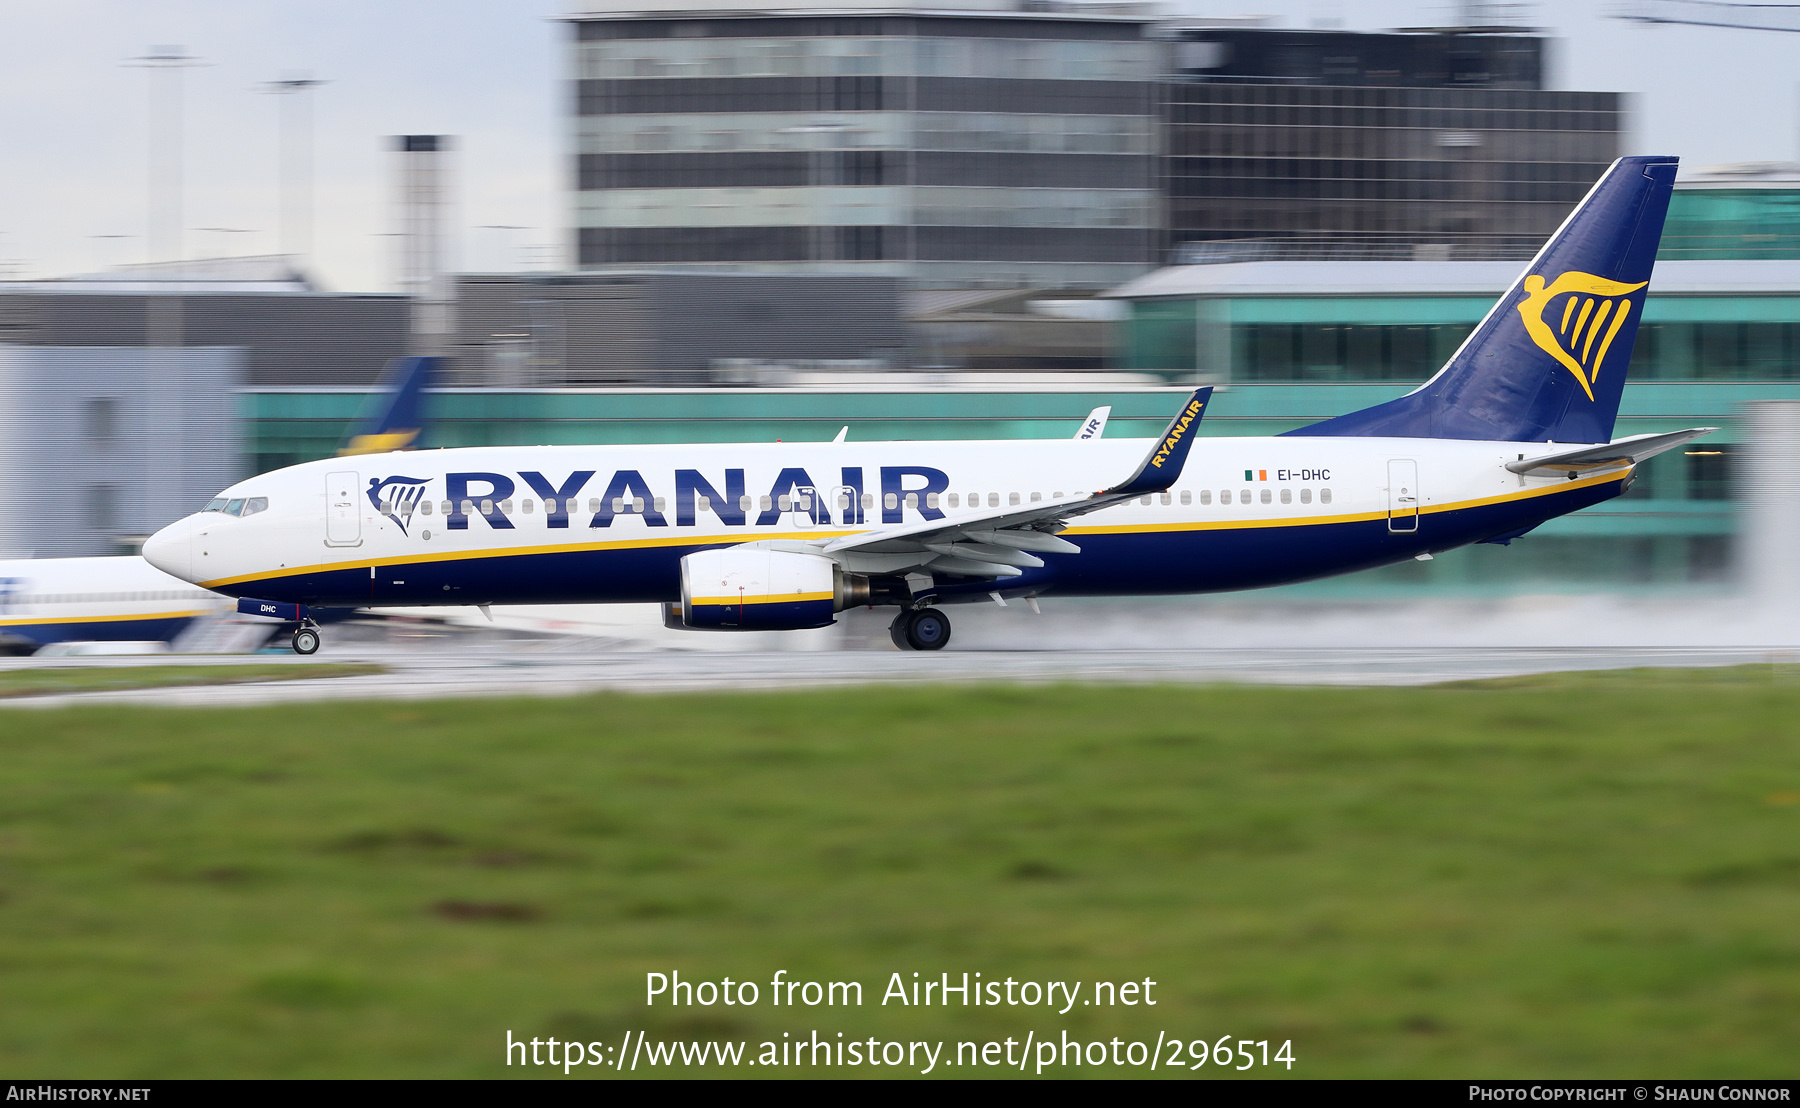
<point x="126" y="599"/>
<point x="1513" y="431"/>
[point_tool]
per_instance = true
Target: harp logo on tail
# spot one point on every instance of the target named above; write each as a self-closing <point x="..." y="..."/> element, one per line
<point x="1575" y="318"/>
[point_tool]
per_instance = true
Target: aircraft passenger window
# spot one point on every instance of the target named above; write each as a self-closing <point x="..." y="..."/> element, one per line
<point x="1036" y="496"/>
<point x="659" y="502"/>
<point x="1306" y="496"/>
<point x="1266" y="497"/>
<point x="256" y="504"/>
<point x="1287" y="496"/>
<point x="786" y="502"/>
<point x="506" y="507"/>
<point x="743" y="503"/>
<point x="1324" y="496"/>
<point x="889" y="500"/>
<point x="618" y="504"/>
<point x="468" y="507"/>
<point x="954" y="499"/>
<point x="1206" y="496"/>
<point x="216" y="505"/>
<point x="868" y="500"/>
<point x="487" y="507"/>
<point x="1187" y="497"/>
<point x="765" y="503"/>
<point x="425" y="507"/>
<point x="1167" y="499"/>
<point x="447" y="509"/>
<point x="594" y="504"/>
<point x="993" y="500"/>
<point x="1145" y="502"/>
<point x="235" y="507"/>
<point x="931" y="500"/>
<point x="1057" y="494"/>
<point x="912" y="500"/>
<point x="527" y="506"/>
<point x="702" y="504"/>
<point x="1012" y="498"/>
<point x="637" y="504"/>
<point x="803" y="502"/>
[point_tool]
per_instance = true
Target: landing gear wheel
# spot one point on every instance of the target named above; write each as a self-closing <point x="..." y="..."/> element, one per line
<point x="306" y="641"/>
<point x="926" y="629"/>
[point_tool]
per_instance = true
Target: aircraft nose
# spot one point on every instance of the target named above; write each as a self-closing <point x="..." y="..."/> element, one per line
<point x="172" y="549"/>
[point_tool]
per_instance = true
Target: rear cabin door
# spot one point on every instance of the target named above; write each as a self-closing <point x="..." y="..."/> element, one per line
<point x="1403" y="495"/>
<point x="343" y="516"/>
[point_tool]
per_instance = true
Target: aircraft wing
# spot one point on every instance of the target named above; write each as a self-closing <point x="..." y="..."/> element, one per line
<point x="1001" y="542"/>
<point x="1622" y="452"/>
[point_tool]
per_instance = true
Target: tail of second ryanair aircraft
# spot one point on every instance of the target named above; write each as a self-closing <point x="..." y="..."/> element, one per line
<point x="394" y="415"/>
<point x="1548" y="362"/>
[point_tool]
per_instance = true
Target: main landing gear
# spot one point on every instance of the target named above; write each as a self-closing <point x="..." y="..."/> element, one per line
<point x="306" y="639"/>
<point x="921" y="629"/>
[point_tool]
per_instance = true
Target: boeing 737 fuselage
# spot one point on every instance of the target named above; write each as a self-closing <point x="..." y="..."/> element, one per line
<point x="1515" y="430"/>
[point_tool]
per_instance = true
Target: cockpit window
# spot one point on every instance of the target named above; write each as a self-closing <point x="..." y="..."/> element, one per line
<point x="235" y="507"/>
<point x="218" y="505"/>
<point x="256" y="504"/>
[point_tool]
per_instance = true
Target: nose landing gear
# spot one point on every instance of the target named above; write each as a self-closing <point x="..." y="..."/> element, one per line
<point x="924" y="629"/>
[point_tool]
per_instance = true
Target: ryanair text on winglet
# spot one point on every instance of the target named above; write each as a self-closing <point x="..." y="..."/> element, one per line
<point x="1181" y="425"/>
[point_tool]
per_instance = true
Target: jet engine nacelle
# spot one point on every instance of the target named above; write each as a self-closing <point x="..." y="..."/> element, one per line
<point x="756" y="589"/>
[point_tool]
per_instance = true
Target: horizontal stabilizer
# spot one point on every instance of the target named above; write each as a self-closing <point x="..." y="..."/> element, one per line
<point x="1624" y="452"/>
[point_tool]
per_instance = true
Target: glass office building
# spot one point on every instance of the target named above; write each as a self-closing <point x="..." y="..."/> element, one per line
<point x="952" y="149"/>
<point x="1374" y="145"/>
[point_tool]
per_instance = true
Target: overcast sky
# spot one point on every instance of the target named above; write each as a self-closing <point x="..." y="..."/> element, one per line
<point x="74" y="122"/>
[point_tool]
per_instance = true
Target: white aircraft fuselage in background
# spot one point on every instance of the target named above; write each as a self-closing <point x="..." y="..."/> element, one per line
<point x="50" y="600"/>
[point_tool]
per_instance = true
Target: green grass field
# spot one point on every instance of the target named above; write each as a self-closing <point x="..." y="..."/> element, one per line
<point x="1566" y="876"/>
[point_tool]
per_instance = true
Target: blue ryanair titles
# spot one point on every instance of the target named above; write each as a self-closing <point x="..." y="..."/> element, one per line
<point x="479" y="494"/>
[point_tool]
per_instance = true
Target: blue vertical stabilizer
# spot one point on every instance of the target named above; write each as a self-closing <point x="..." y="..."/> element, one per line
<point x="1548" y="363"/>
<point x="393" y="417"/>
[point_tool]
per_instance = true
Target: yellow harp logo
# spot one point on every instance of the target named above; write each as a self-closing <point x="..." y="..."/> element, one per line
<point x="1593" y="310"/>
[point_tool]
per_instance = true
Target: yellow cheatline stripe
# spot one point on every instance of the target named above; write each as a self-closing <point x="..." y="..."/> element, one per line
<point x="766" y="598"/>
<point x="1359" y="517"/>
<point x="525" y="551"/>
<point x="103" y="619"/>
<point x="715" y="540"/>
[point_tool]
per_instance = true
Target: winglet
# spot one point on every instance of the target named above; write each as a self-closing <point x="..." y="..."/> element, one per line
<point x="1095" y="424"/>
<point x="394" y="416"/>
<point x="1162" y="466"/>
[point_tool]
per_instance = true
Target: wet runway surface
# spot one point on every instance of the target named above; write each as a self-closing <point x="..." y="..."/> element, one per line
<point x="569" y="667"/>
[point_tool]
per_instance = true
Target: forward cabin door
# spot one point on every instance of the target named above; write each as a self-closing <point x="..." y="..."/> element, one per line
<point x="343" y="516"/>
<point x="1403" y="495"/>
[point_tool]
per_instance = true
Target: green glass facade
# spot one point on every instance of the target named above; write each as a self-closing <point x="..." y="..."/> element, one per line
<point x="1732" y="223"/>
<point x="1374" y="338"/>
